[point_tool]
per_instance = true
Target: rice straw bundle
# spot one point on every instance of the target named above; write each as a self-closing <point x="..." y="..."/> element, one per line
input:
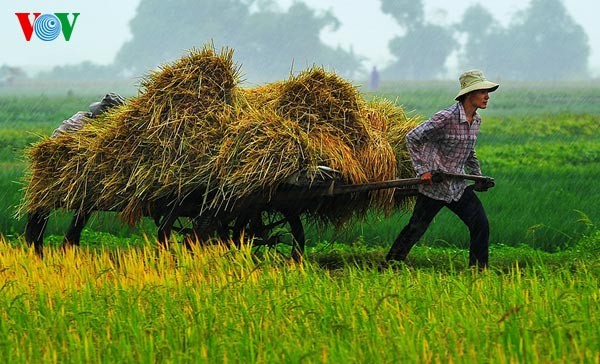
<point x="159" y="144"/>
<point x="390" y="118"/>
<point x="316" y="97"/>
<point x="260" y="151"/>
<point x="192" y="128"/>
<point x="390" y="123"/>
<point x="46" y="159"/>
<point x="313" y="119"/>
<point x="180" y="119"/>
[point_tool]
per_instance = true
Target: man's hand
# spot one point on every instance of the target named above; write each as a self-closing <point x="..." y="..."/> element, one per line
<point x="482" y="186"/>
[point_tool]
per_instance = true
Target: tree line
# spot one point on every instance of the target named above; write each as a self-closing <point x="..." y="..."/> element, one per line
<point x="542" y="42"/>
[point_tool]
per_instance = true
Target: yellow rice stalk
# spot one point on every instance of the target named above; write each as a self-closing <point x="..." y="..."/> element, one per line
<point x="157" y="145"/>
<point x="389" y="118"/>
<point x="316" y="97"/>
<point x="315" y="118"/>
<point x="42" y="180"/>
<point x="192" y="128"/>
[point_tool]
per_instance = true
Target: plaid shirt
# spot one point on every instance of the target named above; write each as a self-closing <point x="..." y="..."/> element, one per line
<point x="445" y="142"/>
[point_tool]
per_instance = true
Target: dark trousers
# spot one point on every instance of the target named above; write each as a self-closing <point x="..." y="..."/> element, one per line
<point x="468" y="208"/>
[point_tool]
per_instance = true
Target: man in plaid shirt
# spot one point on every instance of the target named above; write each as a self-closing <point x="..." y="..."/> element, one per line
<point x="446" y="142"/>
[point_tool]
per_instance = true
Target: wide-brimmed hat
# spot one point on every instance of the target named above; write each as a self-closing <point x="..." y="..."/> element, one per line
<point x="474" y="80"/>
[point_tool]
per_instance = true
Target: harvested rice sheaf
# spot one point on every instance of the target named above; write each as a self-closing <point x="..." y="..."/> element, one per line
<point x="391" y="123"/>
<point x="327" y="110"/>
<point x="179" y="121"/>
<point x="390" y="119"/>
<point x="192" y="128"/>
<point x="158" y="145"/>
<point x="313" y="119"/>
<point x="46" y="159"/>
<point x="316" y="97"/>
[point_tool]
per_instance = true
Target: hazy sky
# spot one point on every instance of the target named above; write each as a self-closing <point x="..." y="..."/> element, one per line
<point x="102" y="28"/>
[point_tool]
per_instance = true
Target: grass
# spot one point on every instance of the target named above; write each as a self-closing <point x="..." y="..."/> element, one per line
<point x="215" y="305"/>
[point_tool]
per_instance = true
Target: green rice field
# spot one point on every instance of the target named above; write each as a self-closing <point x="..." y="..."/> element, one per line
<point x="119" y="298"/>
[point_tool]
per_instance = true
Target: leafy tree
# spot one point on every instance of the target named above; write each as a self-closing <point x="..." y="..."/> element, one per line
<point x="557" y="47"/>
<point x="267" y="42"/>
<point x="82" y="71"/>
<point x="281" y="40"/>
<point x="408" y="13"/>
<point x="480" y="27"/>
<point x="163" y="29"/>
<point x="9" y="74"/>
<point x="424" y="48"/>
<point x="543" y="43"/>
<point x="421" y="53"/>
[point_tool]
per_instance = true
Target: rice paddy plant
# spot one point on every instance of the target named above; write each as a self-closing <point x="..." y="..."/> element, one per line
<point x="545" y="166"/>
<point x="124" y="300"/>
<point x="40" y="108"/>
<point x="216" y="305"/>
<point x="538" y="207"/>
<point x="9" y="196"/>
<point x="512" y="98"/>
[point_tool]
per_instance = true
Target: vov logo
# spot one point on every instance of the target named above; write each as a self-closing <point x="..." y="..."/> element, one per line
<point x="47" y="27"/>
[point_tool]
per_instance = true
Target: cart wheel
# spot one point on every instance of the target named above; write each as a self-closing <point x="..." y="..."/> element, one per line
<point x="191" y="231"/>
<point x="277" y="232"/>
